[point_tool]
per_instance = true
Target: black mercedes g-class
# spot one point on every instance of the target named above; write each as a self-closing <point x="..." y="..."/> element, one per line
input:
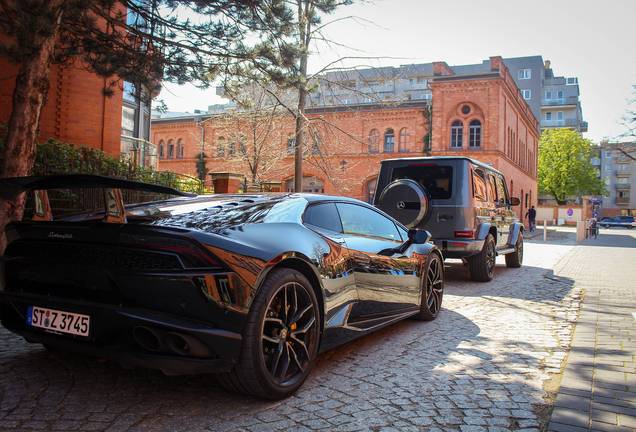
<point x="463" y="203"/>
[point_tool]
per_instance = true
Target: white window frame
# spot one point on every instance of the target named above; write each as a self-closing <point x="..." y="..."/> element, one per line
<point x="548" y="95"/>
<point x="548" y="115"/>
<point x="560" y="94"/>
<point x="525" y="73"/>
<point x="559" y="115"/>
<point x="571" y="81"/>
<point x="427" y="96"/>
<point x="526" y="92"/>
<point x="608" y="167"/>
<point x="608" y="154"/>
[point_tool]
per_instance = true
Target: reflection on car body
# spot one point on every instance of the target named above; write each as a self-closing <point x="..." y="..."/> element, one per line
<point x="249" y="287"/>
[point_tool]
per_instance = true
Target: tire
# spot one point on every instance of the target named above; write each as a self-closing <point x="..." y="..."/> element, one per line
<point x="629" y="227"/>
<point x="405" y="201"/>
<point x="606" y="225"/>
<point x="432" y="287"/>
<point x="482" y="265"/>
<point x="280" y="338"/>
<point x="514" y="259"/>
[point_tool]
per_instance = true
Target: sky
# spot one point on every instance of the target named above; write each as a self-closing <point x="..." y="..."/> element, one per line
<point x="590" y="40"/>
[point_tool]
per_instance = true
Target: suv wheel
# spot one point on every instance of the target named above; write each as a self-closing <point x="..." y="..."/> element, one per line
<point x="482" y="265"/>
<point x="514" y="259"/>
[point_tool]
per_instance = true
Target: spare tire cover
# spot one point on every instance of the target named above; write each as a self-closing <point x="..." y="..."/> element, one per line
<point x="406" y="201"/>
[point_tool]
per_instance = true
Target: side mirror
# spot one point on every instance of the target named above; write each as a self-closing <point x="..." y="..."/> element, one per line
<point x="514" y="201"/>
<point x="418" y="236"/>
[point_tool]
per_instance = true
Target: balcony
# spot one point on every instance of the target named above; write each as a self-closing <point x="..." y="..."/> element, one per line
<point x="622" y="201"/>
<point x="570" y="100"/>
<point x="623" y="174"/>
<point x="573" y="123"/>
<point x="583" y="126"/>
<point x="623" y="160"/>
<point x="623" y="186"/>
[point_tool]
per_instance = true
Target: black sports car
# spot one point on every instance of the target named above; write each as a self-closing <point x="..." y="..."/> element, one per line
<point x="249" y="287"/>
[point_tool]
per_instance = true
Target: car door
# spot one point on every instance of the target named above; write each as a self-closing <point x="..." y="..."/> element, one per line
<point x="387" y="281"/>
<point x="508" y="215"/>
<point x="499" y="205"/>
<point x="336" y="265"/>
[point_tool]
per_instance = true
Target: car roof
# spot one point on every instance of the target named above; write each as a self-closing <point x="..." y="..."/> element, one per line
<point x="442" y="158"/>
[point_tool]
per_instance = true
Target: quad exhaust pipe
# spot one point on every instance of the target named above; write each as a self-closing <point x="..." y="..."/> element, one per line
<point x="158" y="340"/>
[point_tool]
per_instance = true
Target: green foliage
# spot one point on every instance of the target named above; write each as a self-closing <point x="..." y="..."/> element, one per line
<point x="428" y="138"/>
<point x="55" y="157"/>
<point x="565" y="165"/>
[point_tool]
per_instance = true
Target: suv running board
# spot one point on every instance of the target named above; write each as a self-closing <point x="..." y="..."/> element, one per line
<point x="506" y="251"/>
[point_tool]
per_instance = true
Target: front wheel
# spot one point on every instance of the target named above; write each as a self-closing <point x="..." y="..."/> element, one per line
<point x="432" y="288"/>
<point x="482" y="265"/>
<point x="514" y="259"/>
<point x="280" y="338"/>
<point x="606" y="226"/>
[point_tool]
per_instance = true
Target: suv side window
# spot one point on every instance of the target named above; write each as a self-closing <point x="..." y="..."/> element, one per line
<point x="479" y="185"/>
<point x="503" y="196"/>
<point x="492" y="189"/>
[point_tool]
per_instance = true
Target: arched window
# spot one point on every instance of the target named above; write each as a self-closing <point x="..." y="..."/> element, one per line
<point x="457" y="134"/>
<point x="374" y="135"/>
<point x="291" y="145"/>
<point x="474" y="134"/>
<point x="220" y="147"/>
<point x="231" y="149"/>
<point x="180" y="148"/>
<point x="170" y="149"/>
<point x="405" y="138"/>
<point x="162" y="149"/>
<point x="389" y="140"/>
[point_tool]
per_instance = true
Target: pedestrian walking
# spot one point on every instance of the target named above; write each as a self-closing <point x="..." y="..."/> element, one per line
<point x="531" y="215"/>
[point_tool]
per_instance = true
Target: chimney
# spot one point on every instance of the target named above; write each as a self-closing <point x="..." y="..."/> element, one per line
<point x="547" y="64"/>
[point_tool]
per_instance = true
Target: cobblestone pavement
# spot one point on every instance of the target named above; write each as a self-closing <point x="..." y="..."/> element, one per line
<point x="481" y="366"/>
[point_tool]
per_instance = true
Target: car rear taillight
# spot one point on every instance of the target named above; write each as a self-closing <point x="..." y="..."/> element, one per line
<point x="465" y="234"/>
<point x="185" y="249"/>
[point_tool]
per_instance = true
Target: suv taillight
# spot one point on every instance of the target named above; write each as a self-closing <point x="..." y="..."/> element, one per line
<point x="467" y="234"/>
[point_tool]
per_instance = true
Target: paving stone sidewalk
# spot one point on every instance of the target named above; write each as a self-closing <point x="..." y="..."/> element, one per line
<point x="598" y="388"/>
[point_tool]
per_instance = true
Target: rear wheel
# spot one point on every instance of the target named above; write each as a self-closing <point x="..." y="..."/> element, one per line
<point x="432" y="288"/>
<point x="482" y="265"/>
<point x="280" y="338"/>
<point x="514" y="259"/>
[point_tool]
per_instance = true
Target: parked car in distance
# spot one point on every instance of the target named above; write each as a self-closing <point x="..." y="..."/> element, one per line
<point x="623" y="221"/>
<point x="463" y="203"/>
<point x="249" y="287"/>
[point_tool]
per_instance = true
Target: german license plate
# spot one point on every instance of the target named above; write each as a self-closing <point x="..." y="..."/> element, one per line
<point x="58" y="321"/>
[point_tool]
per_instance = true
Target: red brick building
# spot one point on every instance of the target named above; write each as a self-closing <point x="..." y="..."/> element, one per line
<point x="77" y="111"/>
<point x="480" y="115"/>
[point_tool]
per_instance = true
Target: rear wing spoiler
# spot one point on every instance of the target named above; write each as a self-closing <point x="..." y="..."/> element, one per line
<point x="12" y="187"/>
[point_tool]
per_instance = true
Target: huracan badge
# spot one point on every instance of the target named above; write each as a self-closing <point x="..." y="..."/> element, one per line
<point x="60" y="236"/>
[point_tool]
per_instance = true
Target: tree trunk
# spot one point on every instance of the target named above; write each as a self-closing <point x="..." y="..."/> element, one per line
<point x="29" y="96"/>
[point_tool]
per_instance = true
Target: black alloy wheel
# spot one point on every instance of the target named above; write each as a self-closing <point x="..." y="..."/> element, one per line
<point x="514" y="259"/>
<point x="482" y="265"/>
<point x="432" y="287"/>
<point x="280" y="338"/>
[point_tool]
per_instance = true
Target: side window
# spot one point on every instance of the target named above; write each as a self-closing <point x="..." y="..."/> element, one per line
<point x="492" y="189"/>
<point x="503" y="196"/>
<point x="364" y="222"/>
<point x="479" y="185"/>
<point x="323" y="216"/>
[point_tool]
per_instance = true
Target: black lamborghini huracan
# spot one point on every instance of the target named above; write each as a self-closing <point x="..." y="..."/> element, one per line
<point x="249" y="287"/>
